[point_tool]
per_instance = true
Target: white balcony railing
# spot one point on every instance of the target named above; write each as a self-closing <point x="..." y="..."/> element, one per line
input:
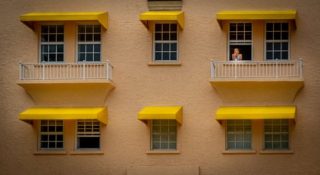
<point x="256" y="69"/>
<point x="66" y="71"/>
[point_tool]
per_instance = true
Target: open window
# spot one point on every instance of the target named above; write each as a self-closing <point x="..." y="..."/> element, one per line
<point x="240" y="36"/>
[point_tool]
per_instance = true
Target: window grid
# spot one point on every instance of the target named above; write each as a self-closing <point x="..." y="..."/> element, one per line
<point x="276" y="134"/>
<point x="52" y="43"/>
<point x="277" y="41"/>
<point x="165" y="42"/>
<point x="51" y="134"/>
<point x="240" y="35"/>
<point x="238" y="134"/>
<point x="164" y="135"/>
<point x="89" y="43"/>
<point x="87" y="129"/>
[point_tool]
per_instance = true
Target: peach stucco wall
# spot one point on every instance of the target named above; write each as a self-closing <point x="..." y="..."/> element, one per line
<point x="127" y="44"/>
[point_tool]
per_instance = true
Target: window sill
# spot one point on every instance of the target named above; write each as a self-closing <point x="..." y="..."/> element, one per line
<point x="165" y="63"/>
<point x="239" y="152"/>
<point x="50" y="153"/>
<point x="98" y="152"/>
<point x="163" y="152"/>
<point x="276" y="152"/>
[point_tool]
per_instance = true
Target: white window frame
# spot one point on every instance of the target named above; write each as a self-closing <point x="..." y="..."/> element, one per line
<point x="235" y="133"/>
<point x="272" y="133"/>
<point x="160" y="149"/>
<point x="86" y="42"/>
<point x="276" y="41"/>
<point x="240" y="43"/>
<point x="48" y="133"/>
<point x="168" y="41"/>
<point x="50" y="43"/>
<point x="90" y="134"/>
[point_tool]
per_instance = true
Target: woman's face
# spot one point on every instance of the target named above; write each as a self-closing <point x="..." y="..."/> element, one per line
<point x="236" y="51"/>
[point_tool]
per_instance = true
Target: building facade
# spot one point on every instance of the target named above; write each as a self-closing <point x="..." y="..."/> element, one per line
<point x="160" y="87"/>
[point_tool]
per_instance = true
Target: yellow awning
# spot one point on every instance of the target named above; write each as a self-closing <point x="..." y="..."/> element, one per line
<point x="256" y="15"/>
<point x="176" y="16"/>
<point x="255" y="113"/>
<point x="30" y="18"/>
<point x="99" y="113"/>
<point x="161" y="113"/>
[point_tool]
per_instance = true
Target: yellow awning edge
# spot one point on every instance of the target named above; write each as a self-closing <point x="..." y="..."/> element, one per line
<point x="175" y="16"/>
<point x="161" y="113"/>
<point x="256" y="15"/>
<point x="256" y="113"/>
<point x="96" y="113"/>
<point x="30" y="18"/>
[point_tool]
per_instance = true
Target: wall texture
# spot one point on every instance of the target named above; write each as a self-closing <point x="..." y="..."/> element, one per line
<point x="127" y="43"/>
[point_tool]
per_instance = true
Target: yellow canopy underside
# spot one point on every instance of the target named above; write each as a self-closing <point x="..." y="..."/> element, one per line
<point x="176" y="16"/>
<point x="254" y="113"/>
<point x="30" y="18"/>
<point x="161" y="113"/>
<point x="99" y="114"/>
<point x="257" y="15"/>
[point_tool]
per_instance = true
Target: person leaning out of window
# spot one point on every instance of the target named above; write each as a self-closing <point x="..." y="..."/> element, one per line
<point x="236" y="56"/>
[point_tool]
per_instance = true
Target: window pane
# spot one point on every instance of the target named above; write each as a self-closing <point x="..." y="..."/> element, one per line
<point x="285" y="26"/>
<point x="89" y="48"/>
<point x="60" y="29"/>
<point x="52" y="57"/>
<point x="269" y="26"/>
<point x="165" y="36"/>
<point x="52" y="29"/>
<point x="277" y="35"/>
<point x="269" y="35"/>
<point x="89" y="37"/>
<point x="277" y="26"/>
<point x="284" y="46"/>
<point x="97" y="48"/>
<point x="44" y="29"/>
<point x="158" y="47"/>
<point x="97" y="29"/>
<point x="158" y="56"/>
<point x="165" y="27"/>
<point x="52" y="38"/>
<point x="60" y="48"/>
<point x="173" y="55"/>
<point x="81" y="29"/>
<point x="173" y="27"/>
<point x="89" y="28"/>
<point x="285" y="35"/>
<point x="96" y="37"/>
<point x="96" y="57"/>
<point x="59" y="57"/>
<point x="158" y="27"/>
<point x="165" y="47"/>
<point x="89" y="57"/>
<point x="44" y="38"/>
<point x="173" y="47"/>
<point x="81" y="37"/>
<point x="233" y="27"/>
<point x="269" y="46"/>
<point x="165" y="56"/>
<point x="173" y="36"/>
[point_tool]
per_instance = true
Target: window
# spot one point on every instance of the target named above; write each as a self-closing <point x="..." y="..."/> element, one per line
<point x="277" y="41"/>
<point x="52" y="37"/>
<point x="240" y="36"/>
<point x="89" y="42"/>
<point x="276" y="134"/>
<point x="238" y="134"/>
<point x="165" y="42"/>
<point x="88" y="134"/>
<point x="164" y="135"/>
<point x="51" y="134"/>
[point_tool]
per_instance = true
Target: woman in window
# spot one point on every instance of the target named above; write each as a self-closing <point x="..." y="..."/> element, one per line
<point x="236" y="56"/>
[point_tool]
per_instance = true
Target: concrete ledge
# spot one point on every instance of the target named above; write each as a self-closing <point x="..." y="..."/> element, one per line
<point x="163" y="170"/>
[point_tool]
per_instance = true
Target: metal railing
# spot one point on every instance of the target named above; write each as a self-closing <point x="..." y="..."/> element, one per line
<point x="66" y="71"/>
<point x="256" y="69"/>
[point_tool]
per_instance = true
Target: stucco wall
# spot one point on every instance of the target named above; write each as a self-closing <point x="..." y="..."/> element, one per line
<point x="127" y="43"/>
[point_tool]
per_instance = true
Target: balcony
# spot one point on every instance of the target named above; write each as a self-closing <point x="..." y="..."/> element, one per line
<point x="67" y="84"/>
<point x="257" y="82"/>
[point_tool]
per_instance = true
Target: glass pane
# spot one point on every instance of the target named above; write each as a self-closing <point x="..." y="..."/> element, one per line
<point x="158" y="27"/>
<point x="277" y="26"/>
<point x="97" y="57"/>
<point x="158" y="56"/>
<point x="285" y="35"/>
<point x="285" y="26"/>
<point x="59" y="57"/>
<point x="268" y="138"/>
<point x="96" y="37"/>
<point x="269" y="35"/>
<point x="284" y="46"/>
<point x="52" y="38"/>
<point x="173" y="36"/>
<point x="89" y="37"/>
<point x="97" y="48"/>
<point x="173" y="27"/>
<point x="240" y="36"/>
<point x="248" y="27"/>
<point x="276" y="46"/>
<point x="240" y="27"/>
<point x="81" y="29"/>
<point x="158" y="47"/>
<point x="276" y="55"/>
<point x="233" y="36"/>
<point x="82" y="48"/>
<point x="97" y="28"/>
<point x="89" y="142"/>
<point x="89" y="29"/>
<point x="269" y="26"/>
<point x="59" y="48"/>
<point x="44" y="145"/>
<point x="269" y="46"/>
<point x="52" y="137"/>
<point x="158" y="36"/>
<point x="268" y="145"/>
<point x="52" y="57"/>
<point x="285" y="55"/>
<point x="44" y="137"/>
<point x="231" y="145"/>
<point x="156" y="138"/>
<point x="165" y="36"/>
<point x="277" y="35"/>
<point x="52" y="29"/>
<point x="173" y="55"/>
<point x="44" y="38"/>
<point x="248" y="36"/>
<point x="156" y="145"/>
<point x="89" y="48"/>
<point x="59" y="128"/>
<point x="60" y="29"/>
<point x="59" y="137"/>
<point x="44" y="29"/>
<point x="81" y="37"/>
<point x="233" y="27"/>
<point x="165" y="27"/>
<point x="173" y="47"/>
<point x="44" y="57"/>
<point x="269" y="56"/>
<point x="60" y="145"/>
<point x="82" y="57"/>
<point x="166" y="56"/>
<point x="165" y="47"/>
<point x="172" y="146"/>
<point x="89" y="57"/>
<point x="164" y="145"/>
<point x="285" y="145"/>
<point x="52" y="48"/>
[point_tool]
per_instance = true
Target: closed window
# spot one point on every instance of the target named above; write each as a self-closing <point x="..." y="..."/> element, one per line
<point x="276" y="134"/>
<point x="240" y="36"/>
<point x="51" y="134"/>
<point x="52" y="43"/>
<point x="238" y="135"/>
<point x="89" y="43"/>
<point x="88" y="134"/>
<point x="165" y="42"/>
<point x="164" y="135"/>
<point x="277" y="41"/>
